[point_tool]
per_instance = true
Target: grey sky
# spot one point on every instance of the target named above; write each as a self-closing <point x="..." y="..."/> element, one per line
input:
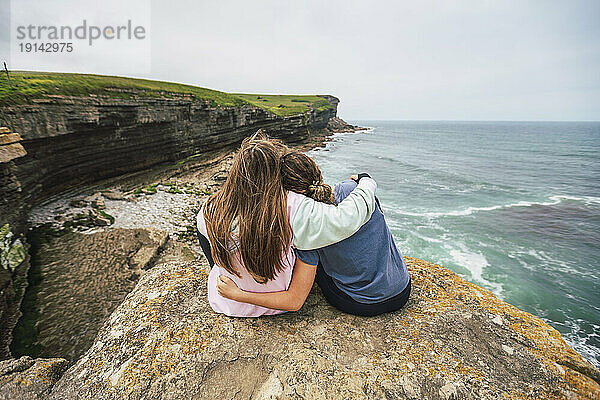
<point x="466" y="60"/>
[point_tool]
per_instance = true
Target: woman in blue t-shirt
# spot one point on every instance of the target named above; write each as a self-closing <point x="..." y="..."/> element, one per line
<point x="364" y="274"/>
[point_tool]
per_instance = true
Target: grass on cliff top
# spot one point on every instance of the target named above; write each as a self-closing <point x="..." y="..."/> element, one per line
<point x="286" y="105"/>
<point x="35" y="85"/>
<point x="27" y="86"/>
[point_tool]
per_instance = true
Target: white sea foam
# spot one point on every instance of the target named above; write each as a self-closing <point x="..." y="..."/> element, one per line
<point x="368" y="130"/>
<point x="581" y="339"/>
<point x="551" y="263"/>
<point x="553" y="200"/>
<point x="426" y="238"/>
<point x="475" y="263"/>
<point x="588" y="200"/>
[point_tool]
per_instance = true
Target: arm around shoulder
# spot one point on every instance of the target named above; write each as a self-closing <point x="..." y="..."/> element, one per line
<point x="317" y="225"/>
<point x="288" y="300"/>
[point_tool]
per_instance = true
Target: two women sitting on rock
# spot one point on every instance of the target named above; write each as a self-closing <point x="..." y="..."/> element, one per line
<point x="274" y="226"/>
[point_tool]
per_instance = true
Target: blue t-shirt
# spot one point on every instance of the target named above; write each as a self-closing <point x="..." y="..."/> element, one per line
<point x="367" y="266"/>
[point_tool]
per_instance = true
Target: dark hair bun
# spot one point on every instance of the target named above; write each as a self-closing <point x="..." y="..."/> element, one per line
<point x="320" y="192"/>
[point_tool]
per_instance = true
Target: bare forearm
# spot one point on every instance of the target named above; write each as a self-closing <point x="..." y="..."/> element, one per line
<point x="288" y="300"/>
<point x="284" y="300"/>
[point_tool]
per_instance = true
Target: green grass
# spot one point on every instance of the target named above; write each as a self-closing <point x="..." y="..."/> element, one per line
<point x="27" y="86"/>
<point x="187" y="159"/>
<point x="36" y="85"/>
<point x="107" y="216"/>
<point x="284" y="104"/>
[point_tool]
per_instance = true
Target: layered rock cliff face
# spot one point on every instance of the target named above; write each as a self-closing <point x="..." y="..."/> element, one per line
<point x="12" y="211"/>
<point x="14" y="261"/>
<point x="77" y="141"/>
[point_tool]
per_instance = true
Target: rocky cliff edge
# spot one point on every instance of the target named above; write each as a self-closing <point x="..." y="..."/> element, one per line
<point x="454" y="340"/>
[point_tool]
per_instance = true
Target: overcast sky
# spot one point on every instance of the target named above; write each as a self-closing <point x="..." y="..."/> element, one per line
<point x="456" y="60"/>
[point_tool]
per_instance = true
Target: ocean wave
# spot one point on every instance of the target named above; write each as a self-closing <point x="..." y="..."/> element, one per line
<point x="476" y="263"/>
<point x="427" y="238"/>
<point x="581" y="336"/>
<point x="368" y="130"/>
<point x="553" y="200"/>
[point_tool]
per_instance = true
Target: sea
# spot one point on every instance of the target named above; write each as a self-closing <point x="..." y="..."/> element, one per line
<point x="511" y="206"/>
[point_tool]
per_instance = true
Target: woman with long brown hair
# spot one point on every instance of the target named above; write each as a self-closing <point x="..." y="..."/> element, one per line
<point x="364" y="274"/>
<point x="248" y="227"/>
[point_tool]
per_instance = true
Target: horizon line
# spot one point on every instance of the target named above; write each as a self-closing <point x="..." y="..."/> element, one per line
<point x="472" y="120"/>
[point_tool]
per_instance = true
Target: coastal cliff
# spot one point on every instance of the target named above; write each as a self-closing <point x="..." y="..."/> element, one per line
<point x="76" y="141"/>
<point x="136" y="297"/>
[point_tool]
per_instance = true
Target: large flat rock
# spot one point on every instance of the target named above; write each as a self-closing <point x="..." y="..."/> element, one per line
<point x="453" y="340"/>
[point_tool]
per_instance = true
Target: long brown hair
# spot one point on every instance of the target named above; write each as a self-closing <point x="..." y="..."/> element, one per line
<point x="300" y="174"/>
<point x="247" y="217"/>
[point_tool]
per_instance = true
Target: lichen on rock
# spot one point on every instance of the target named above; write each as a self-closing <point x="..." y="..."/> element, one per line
<point x="25" y="378"/>
<point x="452" y="340"/>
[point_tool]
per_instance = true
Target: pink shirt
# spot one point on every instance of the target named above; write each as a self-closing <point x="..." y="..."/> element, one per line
<point x="281" y="282"/>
